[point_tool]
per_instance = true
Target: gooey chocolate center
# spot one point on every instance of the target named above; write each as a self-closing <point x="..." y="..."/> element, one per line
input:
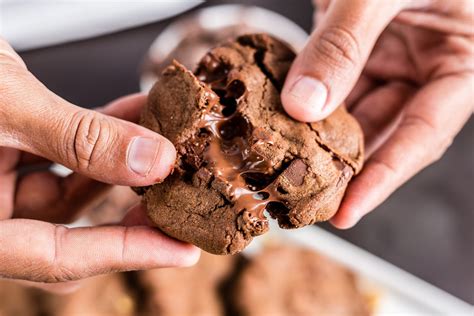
<point x="228" y="154"/>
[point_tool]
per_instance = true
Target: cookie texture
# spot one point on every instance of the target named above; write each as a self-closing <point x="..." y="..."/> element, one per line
<point x="315" y="286"/>
<point x="239" y="154"/>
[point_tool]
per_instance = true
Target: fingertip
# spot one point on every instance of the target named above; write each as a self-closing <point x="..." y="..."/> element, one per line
<point x="345" y="219"/>
<point x="152" y="158"/>
<point x="189" y="256"/>
<point x="127" y="108"/>
<point x="305" y="98"/>
<point x="343" y="225"/>
<point x="177" y="254"/>
<point x="149" y="248"/>
<point x="166" y="159"/>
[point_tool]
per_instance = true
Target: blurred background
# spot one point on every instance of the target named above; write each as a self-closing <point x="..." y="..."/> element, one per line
<point x="424" y="228"/>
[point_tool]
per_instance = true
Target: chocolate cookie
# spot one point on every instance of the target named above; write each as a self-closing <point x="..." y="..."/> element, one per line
<point x="311" y="285"/>
<point x="16" y="299"/>
<point x="98" y="296"/>
<point x="187" y="291"/>
<point x="239" y="154"/>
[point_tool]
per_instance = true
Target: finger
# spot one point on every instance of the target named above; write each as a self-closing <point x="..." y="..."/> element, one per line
<point x="112" y="207"/>
<point x="7" y="193"/>
<point x="326" y="70"/>
<point x="430" y="122"/>
<point x="48" y="197"/>
<point x="137" y="216"/>
<point x="45" y="196"/>
<point x="8" y="56"/>
<point x="96" y="145"/>
<point x="378" y="113"/>
<point x="364" y="85"/>
<point x="43" y="252"/>
<point x="8" y="160"/>
<point x="451" y="17"/>
<point x="126" y="108"/>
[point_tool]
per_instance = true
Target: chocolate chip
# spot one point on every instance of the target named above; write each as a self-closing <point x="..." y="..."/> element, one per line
<point x="339" y="165"/>
<point x="296" y="172"/>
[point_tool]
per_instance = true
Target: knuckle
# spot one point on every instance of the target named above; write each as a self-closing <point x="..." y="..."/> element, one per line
<point x="433" y="131"/>
<point x="57" y="269"/>
<point x="385" y="168"/>
<point x="13" y="79"/>
<point x="337" y="46"/>
<point x="8" y="57"/>
<point x="88" y="139"/>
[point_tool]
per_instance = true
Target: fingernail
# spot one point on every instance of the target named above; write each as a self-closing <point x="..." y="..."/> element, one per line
<point x="310" y="93"/>
<point x="142" y="154"/>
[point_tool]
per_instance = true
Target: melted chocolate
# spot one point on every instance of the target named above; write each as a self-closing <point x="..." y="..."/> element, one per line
<point x="228" y="152"/>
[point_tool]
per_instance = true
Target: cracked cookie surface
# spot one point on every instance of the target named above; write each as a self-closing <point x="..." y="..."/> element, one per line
<point x="239" y="154"/>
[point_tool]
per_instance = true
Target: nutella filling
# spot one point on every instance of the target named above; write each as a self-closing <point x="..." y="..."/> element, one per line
<point x="228" y="153"/>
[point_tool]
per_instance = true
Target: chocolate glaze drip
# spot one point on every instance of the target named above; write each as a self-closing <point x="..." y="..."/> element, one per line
<point x="228" y="154"/>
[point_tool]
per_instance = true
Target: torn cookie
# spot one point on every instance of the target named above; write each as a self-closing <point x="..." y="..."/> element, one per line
<point x="239" y="154"/>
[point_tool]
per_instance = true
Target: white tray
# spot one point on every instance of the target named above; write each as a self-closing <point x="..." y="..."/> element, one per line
<point x="399" y="292"/>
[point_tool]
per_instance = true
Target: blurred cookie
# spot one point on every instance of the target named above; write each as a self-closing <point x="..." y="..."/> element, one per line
<point x="98" y="296"/>
<point x="16" y="300"/>
<point x="187" y="291"/>
<point x="284" y="281"/>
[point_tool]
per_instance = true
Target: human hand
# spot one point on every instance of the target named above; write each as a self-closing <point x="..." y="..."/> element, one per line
<point x="36" y="128"/>
<point x="405" y="70"/>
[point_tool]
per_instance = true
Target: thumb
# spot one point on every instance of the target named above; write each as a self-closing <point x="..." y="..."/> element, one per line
<point x="101" y="147"/>
<point x="325" y="71"/>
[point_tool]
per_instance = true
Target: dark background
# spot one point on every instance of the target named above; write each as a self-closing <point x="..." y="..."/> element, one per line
<point x="424" y="228"/>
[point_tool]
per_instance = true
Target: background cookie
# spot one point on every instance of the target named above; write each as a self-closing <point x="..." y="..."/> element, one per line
<point x="239" y="154"/>
<point x="98" y="296"/>
<point x="283" y="281"/>
<point x="187" y="291"/>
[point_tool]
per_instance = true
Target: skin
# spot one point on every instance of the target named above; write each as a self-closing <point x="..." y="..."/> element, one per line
<point x="405" y="69"/>
<point x="38" y="127"/>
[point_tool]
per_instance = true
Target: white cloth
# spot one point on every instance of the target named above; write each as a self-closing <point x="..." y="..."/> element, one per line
<point x="27" y="24"/>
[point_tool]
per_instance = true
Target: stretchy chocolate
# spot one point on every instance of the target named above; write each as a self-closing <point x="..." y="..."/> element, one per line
<point x="230" y="159"/>
<point x="239" y="155"/>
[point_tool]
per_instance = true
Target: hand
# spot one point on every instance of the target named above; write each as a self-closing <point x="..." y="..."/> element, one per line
<point x="405" y="69"/>
<point x="37" y="128"/>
